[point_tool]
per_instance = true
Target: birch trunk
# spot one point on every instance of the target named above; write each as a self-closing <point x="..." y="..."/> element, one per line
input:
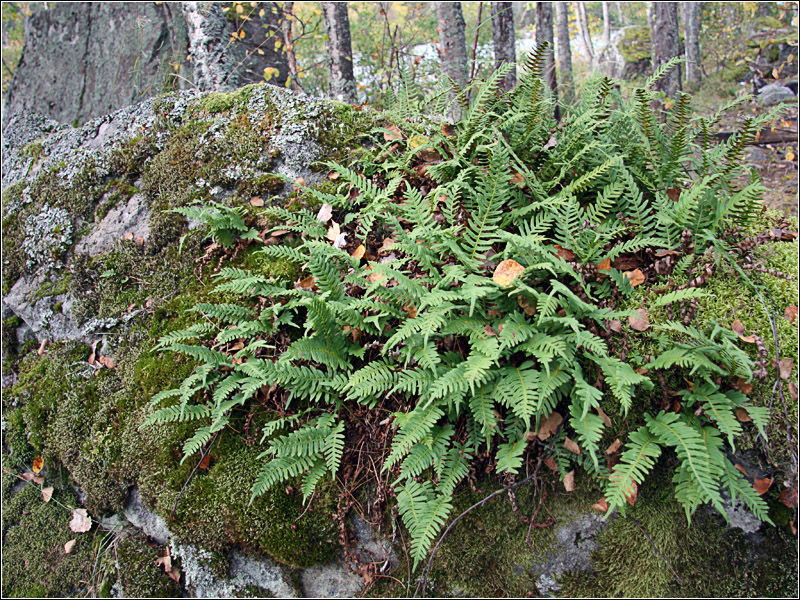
<point x="691" y="24"/>
<point x="342" y="83"/>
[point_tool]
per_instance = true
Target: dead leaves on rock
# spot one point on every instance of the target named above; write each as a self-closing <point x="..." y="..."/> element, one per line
<point x="165" y="562"/>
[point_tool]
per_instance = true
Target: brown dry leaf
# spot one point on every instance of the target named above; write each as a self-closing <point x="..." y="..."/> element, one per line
<point x="395" y="136"/>
<point x="385" y="245"/>
<point x="410" y="309"/>
<point x="738" y="329"/>
<point x="256" y="201"/>
<point x="627" y="262"/>
<point x="300" y="182"/>
<point x="550" y="463"/>
<point x="632" y="494"/>
<point x="166" y="562"/>
<point x="549" y="425"/>
<point x="377" y="277"/>
<point x="309" y="283"/>
<point x="47" y="493"/>
<point x="614" y="447"/>
<point x="789" y="497"/>
<point x="38" y="464"/>
<point x="70" y="546"/>
<point x="107" y="362"/>
<point x="604" y="417"/>
<point x="325" y="213"/>
<point x="333" y="175"/>
<point x="42" y="346"/>
<point x="740" y="468"/>
<point x="489" y="331"/>
<point x="359" y="252"/>
<point x="615" y="326"/>
<point x="80" y="522"/>
<point x="569" y="481"/>
<point x="205" y="462"/>
<point x="550" y="143"/>
<point x="565" y="253"/>
<point x="128" y="236"/>
<point x="785" y="367"/>
<point x="28" y="476"/>
<point x="743" y="416"/>
<point x="790" y="313"/>
<point x="635" y="277"/>
<point x="572" y="446"/>
<point x="674" y="194"/>
<point x="518" y="179"/>
<point x="604" y="265"/>
<point x="762" y="485"/>
<point x="743" y="385"/>
<point x="333" y="231"/>
<point x="640" y="322"/>
<point x="601" y="505"/>
<point x="506" y="272"/>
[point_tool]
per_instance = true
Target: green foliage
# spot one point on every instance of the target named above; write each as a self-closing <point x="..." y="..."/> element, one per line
<point x="225" y="224"/>
<point x="474" y="365"/>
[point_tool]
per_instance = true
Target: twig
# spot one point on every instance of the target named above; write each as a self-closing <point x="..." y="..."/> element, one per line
<point x="655" y="548"/>
<point x="203" y="454"/>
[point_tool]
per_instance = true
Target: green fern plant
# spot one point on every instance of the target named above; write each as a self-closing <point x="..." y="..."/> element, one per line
<point x="477" y="366"/>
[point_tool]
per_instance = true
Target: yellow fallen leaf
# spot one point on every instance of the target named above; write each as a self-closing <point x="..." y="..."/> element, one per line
<point x="506" y="272"/>
<point x="635" y="277"/>
<point x="359" y="252"/>
<point x="38" y="464"/>
<point x="69" y="546"/>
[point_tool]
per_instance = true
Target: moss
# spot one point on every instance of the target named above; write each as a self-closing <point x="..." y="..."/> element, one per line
<point x="217" y="102"/>
<point x="51" y="288"/>
<point x="635" y="44"/>
<point x="139" y="575"/>
<point x="34" y="533"/>
<point x="34" y="150"/>
<point x="264" y="186"/>
<point x="735" y="72"/>
<point x="710" y="559"/>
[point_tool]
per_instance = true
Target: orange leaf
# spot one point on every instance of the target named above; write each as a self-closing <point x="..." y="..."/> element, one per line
<point x="634" y="493"/>
<point x="614" y="447"/>
<point x="572" y="446"/>
<point x="300" y="182"/>
<point x="738" y="329"/>
<point x="604" y="265"/>
<point x="565" y="253"/>
<point x="674" y="194"/>
<point x="256" y="201"/>
<point x="762" y="485"/>
<point x="790" y="313"/>
<point x="789" y="497"/>
<point x="740" y="468"/>
<point x="359" y="252"/>
<point x="309" y="283"/>
<point x="569" y="481"/>
<point x="205" y="461"/>
<point x="641" y="322"/>
<point x="410" y="309"/>
<point x="506" y="272"/>
<point x="38" y="464"/>
<point x="742" y="415"/>
<point x="601" y="505"/>
<point x="518" y="180"/>
<point x="333" y="175"/>
<point x="635" y="277"/>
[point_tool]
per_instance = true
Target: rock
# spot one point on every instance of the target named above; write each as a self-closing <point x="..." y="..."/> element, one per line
<point x="142" y="518"/>
<point x="244" y="574"/>
<point x="128" y="221"/>
<point x="774" y="93"/>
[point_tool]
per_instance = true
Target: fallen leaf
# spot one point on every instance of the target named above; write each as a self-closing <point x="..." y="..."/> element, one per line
<point x="205" y="462"/>
<point x="785" y="367"/>
<point x="128" y="235"/>
<point x="627" y="262"/>
<point x="411" y="310"/>
<point x="741" y="469"/>
<point x="393" y="134"/>
<point x="139" y="241"/>
<point x="69" y="546"/>
<point x="640" y="322"/>
<point x="518" y="179"/>
<point x="506" y="272"/>
<point x="604" y="265"/>
<point x="565" y="253"/>
<point x="632" y="494"/>
<point x="572" y="446"/>
<point x="743" y="416"/>
<point x="550" y="463"/>
<point x="38" y="464"/>
<point x="334" y="231"/>
<point x="635" y="277"/>
<point x="550" y="143"/>
<point x="601" y="505"/>
<point x="762" y="485"/>
<point x="107" y="362"/>
<point x="28" y="476"/>
<point x="378" y="277"/>
<point x="256" y="201"/>
<point x="47" y="493"/>
<point x="789" y="497"/>
<point x="449" y="130"/>
<point x="743" y="385"/>
<point x="80" y="522"/>
<point x="166" y="563"/>
<point x="549" y="426"/>
<point x="790" y="313"/>
<point x="604" y="417"/>
<point x="300" y="182"/>
<point x="359" y="252"/>
<point x="308" y="283"/>
<point x="569" y="481"/>
<point x="333" y="175"/>
<point x="738" y="329"/>
<point x="614" y="447"/>
<point x="674" y="194"/>
<point x="340" y="241"/>
<point x="489" y="331"/>
<point x="615" y="326"/>
<point x="325" y="213"/>
<point x="386" y="246"/>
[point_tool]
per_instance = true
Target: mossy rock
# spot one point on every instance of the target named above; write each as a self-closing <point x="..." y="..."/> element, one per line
<point x="139" y="575"/>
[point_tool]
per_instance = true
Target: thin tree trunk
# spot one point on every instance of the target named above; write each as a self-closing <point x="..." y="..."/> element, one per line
<point x="544" y="33"/>
<point x="585" y="34"/>
<point x="606" y="26"/>
<point x="288" y="44"/>
<point x="691" y="24"/>
<point x="342" y="83"/>
<point x="621" y="16"/>
<point x="453" y="46"/>
<point x="503" y="39"/>
<point x="665" y="45"/>
<point x="564" y="50"/>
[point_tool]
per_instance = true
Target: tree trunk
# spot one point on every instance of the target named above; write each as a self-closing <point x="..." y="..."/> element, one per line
<point x="564" y="51"/>
<point x="503" y="39"/>
<point x="622" y="22"/>
<point x="342" y="83"/>
<point x="606" y="26"/>
<point x="691" y="24"/>
<point x="585" y="34"/>
<point x="666" y="45"/>
<point x="288" y="44"/>
<point x="544" y="33"/>
<point x="452" y="41"/>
